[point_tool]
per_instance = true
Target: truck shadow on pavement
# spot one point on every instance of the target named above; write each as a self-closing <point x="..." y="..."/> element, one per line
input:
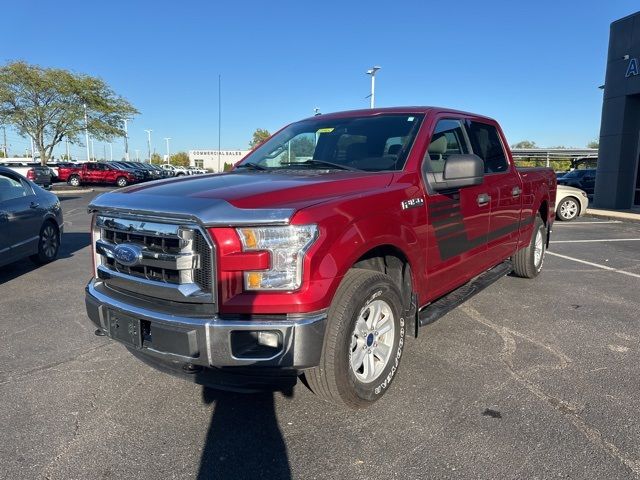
<point x="244" y="439"/>
<point x="71" y="243"/>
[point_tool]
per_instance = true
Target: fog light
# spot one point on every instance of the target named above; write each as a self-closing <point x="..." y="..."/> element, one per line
<point x="269" y="339"/>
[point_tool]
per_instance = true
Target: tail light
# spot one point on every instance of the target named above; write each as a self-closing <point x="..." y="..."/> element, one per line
<point x="31" y="174"/>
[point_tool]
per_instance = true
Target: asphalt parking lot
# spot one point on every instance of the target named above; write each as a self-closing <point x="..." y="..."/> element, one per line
<point x="530" y="379"/>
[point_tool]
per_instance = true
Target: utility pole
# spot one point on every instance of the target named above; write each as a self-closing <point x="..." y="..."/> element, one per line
<point x="149" y="143"/>
<point x="372" y="98"/>
<point x="219" y="118"/>
<point x="110" y="152"/>
<point x="166" y="139"/>
<point x="86" y="131"/>
<point x="126" y="141"/>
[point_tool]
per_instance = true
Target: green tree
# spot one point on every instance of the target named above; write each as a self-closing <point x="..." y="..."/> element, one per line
<point x="259" y="136"/>
<point x="525" y="144"/>
<point x="593" y="144"/>
<point x="180" y="159"/>
<point x="47" y="104"/>
<point x="157" y="159"/>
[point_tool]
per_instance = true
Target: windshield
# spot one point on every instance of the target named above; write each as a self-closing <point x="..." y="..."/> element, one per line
<point x="371" y="143"/>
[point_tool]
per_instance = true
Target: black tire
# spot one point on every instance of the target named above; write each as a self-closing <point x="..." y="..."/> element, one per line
<point x="121" y="182"/>
<point x="568" y="209"/>
<point x="334" y="379"/>
<point x="74" y="181"/>
<point x="48" y="244"/>
<point x="525" y="262"/>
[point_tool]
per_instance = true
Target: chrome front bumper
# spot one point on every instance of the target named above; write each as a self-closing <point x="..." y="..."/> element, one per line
<point x="206" y="341"/>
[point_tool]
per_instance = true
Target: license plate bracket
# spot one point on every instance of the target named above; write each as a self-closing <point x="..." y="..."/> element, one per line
<point x="125" y="329"/>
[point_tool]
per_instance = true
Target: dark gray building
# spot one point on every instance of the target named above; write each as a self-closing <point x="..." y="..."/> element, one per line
<point x="618" y="175"/>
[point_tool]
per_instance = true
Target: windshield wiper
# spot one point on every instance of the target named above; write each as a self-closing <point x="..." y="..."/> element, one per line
<point x="322" y="162"/>
<point x="251" y="166"/>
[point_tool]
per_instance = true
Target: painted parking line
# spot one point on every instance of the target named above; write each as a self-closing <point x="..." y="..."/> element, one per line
<point x="598" y="241"/>
<point x="597" y="265"/>
<point x="558" y="224"/>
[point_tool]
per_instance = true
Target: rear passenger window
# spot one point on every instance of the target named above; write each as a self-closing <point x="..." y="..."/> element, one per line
<point x="486" y="144"/>
<point x="447" y="139"/>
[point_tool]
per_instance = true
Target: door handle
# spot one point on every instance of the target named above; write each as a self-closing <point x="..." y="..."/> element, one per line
<point x="516" y="191"/>
<point x="483" y="199"/>
<point x="34" y="205"/>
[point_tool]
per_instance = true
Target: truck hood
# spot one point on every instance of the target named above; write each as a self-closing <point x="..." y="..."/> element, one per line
<point x="240" y="198"/>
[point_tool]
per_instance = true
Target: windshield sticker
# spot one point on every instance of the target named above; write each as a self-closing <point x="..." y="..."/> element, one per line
<point x="325" y="130"/>
<point x="411" y="119"/>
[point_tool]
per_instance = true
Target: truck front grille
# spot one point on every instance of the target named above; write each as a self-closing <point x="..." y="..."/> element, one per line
<point x="172" y="261"/>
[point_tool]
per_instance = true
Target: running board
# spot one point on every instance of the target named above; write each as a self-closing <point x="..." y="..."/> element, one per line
<point x="444" y="305"/>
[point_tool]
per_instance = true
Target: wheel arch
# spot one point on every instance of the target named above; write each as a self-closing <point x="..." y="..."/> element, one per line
<point x="394" y="262"/>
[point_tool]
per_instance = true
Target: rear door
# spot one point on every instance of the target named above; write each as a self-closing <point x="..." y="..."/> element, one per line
<point x="458" y="220"/>
<point x="504" y="186"/>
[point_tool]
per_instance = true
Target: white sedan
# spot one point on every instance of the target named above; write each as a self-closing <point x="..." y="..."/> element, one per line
<point x="570" y="203"/>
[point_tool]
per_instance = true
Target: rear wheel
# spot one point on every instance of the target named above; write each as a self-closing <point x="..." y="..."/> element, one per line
<point x="527" y="263"/>
<point x="121" y="182"/>
<point x="48" y="244"/>
<point x="363" y="341"/>
<point x="568" y="209"/>
<point x="74" y="180"/>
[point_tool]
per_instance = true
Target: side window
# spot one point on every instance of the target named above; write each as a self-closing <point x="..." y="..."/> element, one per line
<point x="11" y="188"/>
<point x="486" y="144"/>
<point x="92" y="166"/>
<point x="447" y="139"/>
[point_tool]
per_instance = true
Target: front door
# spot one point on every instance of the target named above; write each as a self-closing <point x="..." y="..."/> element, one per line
<point x="458" y="220"/>
<point x="21" y="215"/>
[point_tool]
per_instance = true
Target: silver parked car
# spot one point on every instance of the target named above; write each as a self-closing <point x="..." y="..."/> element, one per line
<point x="30" y="220"/>
<point x="571" y="202"/>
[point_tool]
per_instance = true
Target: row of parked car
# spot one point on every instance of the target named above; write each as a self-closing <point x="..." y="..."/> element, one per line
<point x="119" y="173"/>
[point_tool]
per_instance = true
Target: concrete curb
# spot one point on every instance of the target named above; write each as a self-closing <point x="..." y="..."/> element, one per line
<point x="72" y="192"/>
<point x="614" y="214"/>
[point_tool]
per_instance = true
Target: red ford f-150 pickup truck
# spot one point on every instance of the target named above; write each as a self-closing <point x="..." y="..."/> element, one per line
<point x="320" y="251"/>
<point x="97" y="172"/>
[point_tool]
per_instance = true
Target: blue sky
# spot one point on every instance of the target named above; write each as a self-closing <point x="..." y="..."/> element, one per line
<point x="534" y="66"/>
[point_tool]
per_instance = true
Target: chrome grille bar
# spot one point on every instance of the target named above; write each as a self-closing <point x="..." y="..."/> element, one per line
<point x="169" y="261"/>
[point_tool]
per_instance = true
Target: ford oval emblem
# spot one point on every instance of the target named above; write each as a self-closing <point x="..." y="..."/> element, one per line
<point x="127" y="254"/>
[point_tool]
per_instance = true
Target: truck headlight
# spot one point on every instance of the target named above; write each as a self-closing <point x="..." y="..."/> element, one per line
<point x="287" y="246"/>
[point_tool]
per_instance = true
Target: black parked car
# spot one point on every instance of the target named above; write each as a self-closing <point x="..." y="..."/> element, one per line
<point x="30" y="220"/>
<point x="583" y="179"/>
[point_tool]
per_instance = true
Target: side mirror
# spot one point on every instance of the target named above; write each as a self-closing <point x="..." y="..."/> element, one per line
<point x="461" y="171"/>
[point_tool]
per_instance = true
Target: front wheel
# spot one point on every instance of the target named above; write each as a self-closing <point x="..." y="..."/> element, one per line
<point x="74" y="181"/>
<point x="363" y="341"/>
<point x="527" y="263"/>
<point x="122" y="182"/>
<point x="568" y="209"/>
<point x="48" y="244"/>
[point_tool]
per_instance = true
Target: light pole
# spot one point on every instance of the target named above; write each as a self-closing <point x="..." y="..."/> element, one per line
<point x="66" y="141"/>
<point x="149" y="143"/>
<point x="4" y="144"/>
<point x="137" y="155"/>
<point x="86" y="131"/>
<point x="126" y="141"/>
<point x="110" y="152"/>
<point x="92" y="151"/>
<point x="166" y="139"/>
<point x="372" y="98"/>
